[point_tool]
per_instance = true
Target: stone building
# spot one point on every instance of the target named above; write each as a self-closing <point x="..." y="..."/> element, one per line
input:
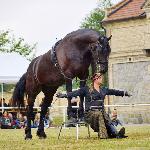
<point x="129" y="66"/>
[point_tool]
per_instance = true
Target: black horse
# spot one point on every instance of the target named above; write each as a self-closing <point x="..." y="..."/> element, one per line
<point x="69" y="58"/>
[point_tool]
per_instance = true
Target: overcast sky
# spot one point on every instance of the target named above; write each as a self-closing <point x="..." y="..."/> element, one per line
<point x="43" y="21"/>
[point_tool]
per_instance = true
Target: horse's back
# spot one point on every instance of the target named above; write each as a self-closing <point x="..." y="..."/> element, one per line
<point x="42" y="68"/>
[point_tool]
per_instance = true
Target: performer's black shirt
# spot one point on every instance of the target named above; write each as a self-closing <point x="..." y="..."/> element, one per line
<point x="94" y="98"/>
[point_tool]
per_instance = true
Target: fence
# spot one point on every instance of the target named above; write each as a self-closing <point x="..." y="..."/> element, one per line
<point x="128" y="113"/>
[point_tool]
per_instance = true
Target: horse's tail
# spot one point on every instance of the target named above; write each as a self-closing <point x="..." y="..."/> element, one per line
<point x="18" y="94"/>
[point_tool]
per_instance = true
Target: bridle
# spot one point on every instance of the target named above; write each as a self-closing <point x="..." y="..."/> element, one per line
<point x="99" y="61"/>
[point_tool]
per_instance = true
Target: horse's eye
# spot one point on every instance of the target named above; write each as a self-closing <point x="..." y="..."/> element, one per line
<point x="96" y="46"/>
<point x="92" y="48"/>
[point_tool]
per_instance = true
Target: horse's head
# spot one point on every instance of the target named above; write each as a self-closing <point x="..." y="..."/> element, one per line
<point x="101" y="50"/>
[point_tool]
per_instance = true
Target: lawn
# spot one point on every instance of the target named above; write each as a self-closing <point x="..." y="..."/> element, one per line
<point x="139" y="139"/>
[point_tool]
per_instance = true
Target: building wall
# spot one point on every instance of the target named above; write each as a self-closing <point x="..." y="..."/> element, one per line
<point x="129" y="68"/>
<point x="129" y="37"/>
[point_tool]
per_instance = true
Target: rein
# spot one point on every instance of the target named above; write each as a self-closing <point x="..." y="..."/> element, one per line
<point x="101" y="62"/>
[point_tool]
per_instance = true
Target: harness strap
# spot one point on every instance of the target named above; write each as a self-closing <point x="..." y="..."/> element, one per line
<point x="35" y="70"/>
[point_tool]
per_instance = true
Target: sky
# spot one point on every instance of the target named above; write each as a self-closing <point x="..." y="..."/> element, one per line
<point x="40" y="21"/>
<point x="12" y="67"/>
<point x="44" y="21"/>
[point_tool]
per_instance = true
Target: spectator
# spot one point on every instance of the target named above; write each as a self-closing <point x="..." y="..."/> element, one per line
<point x="0" y="120"/>
<point x="25" y="121"/>
<point x="114" y="118"/>
<point x="18" y="121"/>
<point x="6" y="121"/>
<point x="4" y="103"/>
<point x="48" y="120"/>
<point x="21" y="120"/>
<point x="36" y="120"/>
<point x="9" y="103"/>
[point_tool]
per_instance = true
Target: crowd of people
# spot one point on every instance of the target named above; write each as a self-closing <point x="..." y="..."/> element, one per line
<point x="18" y="120"/>
<point x="10" y="121"/>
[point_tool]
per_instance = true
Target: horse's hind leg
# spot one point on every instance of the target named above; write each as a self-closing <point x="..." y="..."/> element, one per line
<point x="49" y="93"/>
<point x="30" y="116"/>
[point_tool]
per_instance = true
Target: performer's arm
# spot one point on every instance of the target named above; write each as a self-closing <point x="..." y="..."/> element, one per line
<point x="80" y="92"/>
<point x="117" y="92"/>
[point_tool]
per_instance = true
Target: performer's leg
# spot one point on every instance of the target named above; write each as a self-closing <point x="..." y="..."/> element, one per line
<point x="102" y="127"/>
<point x="92" y="119"/>
<point x="112" y="130"/>
<point x="121" y="133"/>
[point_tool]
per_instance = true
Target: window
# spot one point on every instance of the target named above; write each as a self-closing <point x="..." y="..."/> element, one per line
<point x="147" y="52"/>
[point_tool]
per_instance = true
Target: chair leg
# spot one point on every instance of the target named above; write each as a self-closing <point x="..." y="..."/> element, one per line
<point x="77" y="126"/>
<point x="60" y="130"/>
<point x="88" y="130"/>
<point x="77" y="130"/>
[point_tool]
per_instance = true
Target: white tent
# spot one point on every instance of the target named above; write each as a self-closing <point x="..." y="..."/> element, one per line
<point x="12" y="66"/>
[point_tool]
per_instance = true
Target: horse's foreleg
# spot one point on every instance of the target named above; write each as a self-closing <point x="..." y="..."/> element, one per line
<point x="70" y="111"/>
<point x="83" y="78"/>
<point x="81" y="107"/>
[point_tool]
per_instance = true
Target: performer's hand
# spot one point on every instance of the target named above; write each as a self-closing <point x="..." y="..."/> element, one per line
<point x="127" y="94"/>
<point x="60" y="95"/>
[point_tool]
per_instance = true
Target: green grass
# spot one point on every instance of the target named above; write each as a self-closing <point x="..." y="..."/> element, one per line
<point x="139" y="139"/>
<point x="57" y="121"/>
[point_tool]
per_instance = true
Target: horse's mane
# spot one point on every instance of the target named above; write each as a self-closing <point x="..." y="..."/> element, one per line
<point x="80" y="35"/>
<point x="80" y="31"/>
<point x="74" y="34"/>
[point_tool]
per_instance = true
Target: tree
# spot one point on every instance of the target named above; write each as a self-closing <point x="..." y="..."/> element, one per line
<point x="103" y="4"/>
<point x="10" y="44"/>
<point x="93" y="20"/>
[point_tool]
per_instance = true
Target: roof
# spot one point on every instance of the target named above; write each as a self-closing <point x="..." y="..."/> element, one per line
<point x="126" y="9"/>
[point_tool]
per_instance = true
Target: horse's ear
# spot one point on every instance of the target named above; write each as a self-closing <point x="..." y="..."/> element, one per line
<point x="109" y="38"/>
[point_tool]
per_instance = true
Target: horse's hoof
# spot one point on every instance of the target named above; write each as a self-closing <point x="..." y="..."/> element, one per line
<point x="28" y="137"/>
<point x="41" y="134"/>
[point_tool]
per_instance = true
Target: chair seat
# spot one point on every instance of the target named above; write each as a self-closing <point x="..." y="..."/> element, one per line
<point x="76" y="124"/>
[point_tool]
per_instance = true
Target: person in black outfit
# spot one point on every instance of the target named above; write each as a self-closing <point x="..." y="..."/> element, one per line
<point x="95" y="113"/>
<point x="4" y="103"/>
